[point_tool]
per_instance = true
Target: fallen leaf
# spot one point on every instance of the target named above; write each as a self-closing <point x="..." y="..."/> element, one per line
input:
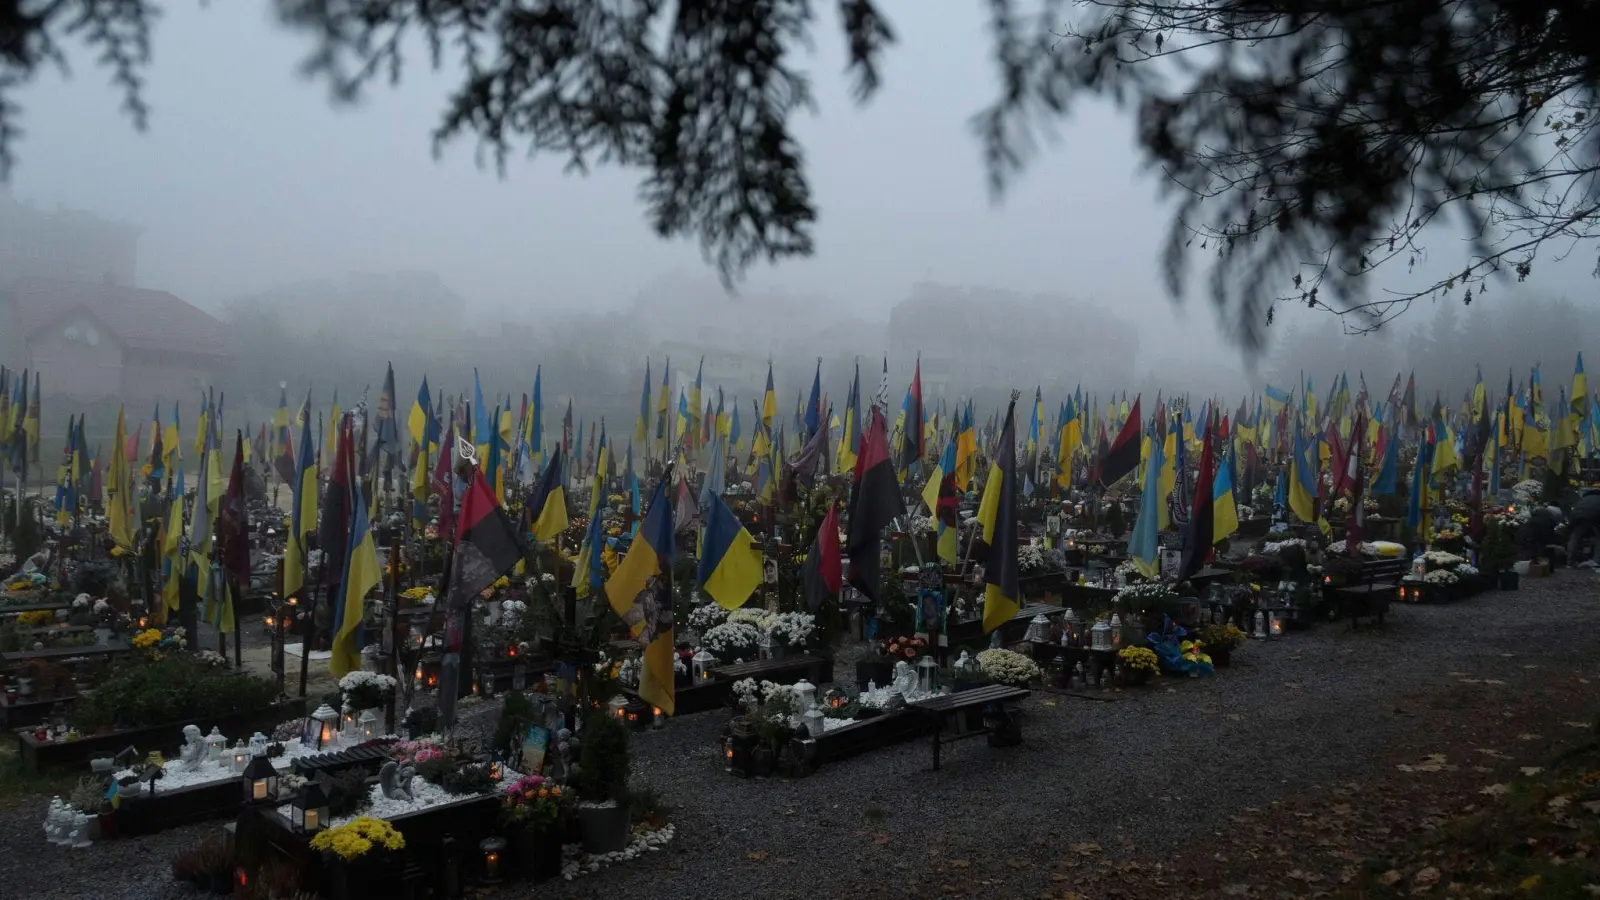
<point x="1576" y="724"/>
<point x="1049" y="703"/>
<point x="1527" y="737"/>
<point x="1086" y="849"/>
<point x="1486" y="751"/>
<point x="1559" y="803"/>
<point x="1495" y="790"/>
<point x="1496" y="680"/>
<point x="1426" y="878"/>
<point x="1235" y="717"/>
<point x="757" y="855"/>
<point x="1531" y="771"/>
<point x="881" y="839"/>
<point x="1389" y="877"/>
<point x="1529" y="883"/>
<point x="1592" y="806"/>
<point x="959" y="864"/>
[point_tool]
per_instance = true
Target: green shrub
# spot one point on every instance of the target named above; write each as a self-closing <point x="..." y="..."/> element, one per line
<point x="174" y="688"/>
<point x="604" y="759"/>
<point x="516" y="714"/>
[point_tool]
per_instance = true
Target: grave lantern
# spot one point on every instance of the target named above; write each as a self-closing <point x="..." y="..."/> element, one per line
<point x="1116" y="630"/>
<point x="327" y="725"/>
<point x="814" y="719"/>
<point x="260" y="781"/>
<point x="807" y="693"/>
<point x="309" y="808"/>
<point x="1100" y="635"/>
<point x="240" y="757"/>
<point x="368" y="725"/>
<point x="618" y="707"/>
<point x="258" y="744"/>
<point x="702" y="663"/>
<point x="216" y="745"/>
<point x="1038" y="630"/>
<point x="1274" y="623"/>
<point x="494" y="849"/>
<point x="657" y="718"/>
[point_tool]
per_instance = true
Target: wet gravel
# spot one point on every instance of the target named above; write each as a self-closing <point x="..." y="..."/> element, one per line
<point x="1149" y="770"/>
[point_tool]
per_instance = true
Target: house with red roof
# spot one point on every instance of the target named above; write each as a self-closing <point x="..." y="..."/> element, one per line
<point x="70" y="312"/>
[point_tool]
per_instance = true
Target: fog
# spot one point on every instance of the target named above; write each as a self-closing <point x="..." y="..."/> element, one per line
<point x="331" y="240"/>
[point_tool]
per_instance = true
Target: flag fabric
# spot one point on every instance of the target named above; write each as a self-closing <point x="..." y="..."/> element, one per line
<point x="547" y="505"/>
<point x="641" y="428"/>
<point x="730" y="562"/>
<point x="911" y="448"/>
<point x="874" y="503"/>
<point x="1197" y="538"/>
<point x="997" y="513"/>
<point x="361" y="575"/>
<point x="1303" y="477"/>
<point x="1144" y="544"/>
<point x="823" y="572"/>
<point x="119" y="496"/>
<point x="1225" y="510"/>
<point x="302" y="514"/>
<point x="386" y="448"/>
<point x="233" y="521"/>
<point x="282" y="452"/>
<point x="333" y="535"/>
<point x="1123" y="455"/>
<point x="640" y="591"/>
<point x="941" y="497"/>
<point x="487" y="546"/>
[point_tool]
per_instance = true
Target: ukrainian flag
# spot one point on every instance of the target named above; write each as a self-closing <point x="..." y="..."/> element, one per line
<point x="303" y="513"/>
<point x="548" y="504"/>
<point x="940" y="496"/>
<point x="1224" y="512"/>
<point x="650" y="557"/>
<point x="730" y="564"/>
<point x="361" y="574"/>
<point x="1302" y="478"/>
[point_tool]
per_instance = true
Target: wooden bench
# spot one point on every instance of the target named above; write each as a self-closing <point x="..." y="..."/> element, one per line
<point x="787" y="670"/>
<point x="995" y="699"/>
<point x="1372" y="587"/>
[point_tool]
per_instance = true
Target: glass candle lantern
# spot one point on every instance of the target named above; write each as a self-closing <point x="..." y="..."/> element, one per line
<point x="258" y="744"/>
<point x="260" y="781"/>
<point x="814" y="719"/>
<point x="1274" y="623"/>
<point x="657" y="718"/>
<point x="618" y="707"/>
<point x="1038" y="630"/>
<point x="807" y="693"/>
<point x="1100" y="635"/>
<point x="367" y="725"/>
<point x="216" y="746"/>
<point x="327" y="720"/>
<point x="309" y="809"/>
<point x="702" y="663"/>
<point x="1116" y="630"/>
<point x="494" y="850"/>
<point x="240" y="757"/>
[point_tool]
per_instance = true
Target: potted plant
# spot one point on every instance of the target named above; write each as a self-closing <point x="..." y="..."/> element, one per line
<point x="1498" y="555"/>
<point x="1008" y="667"/>
<point x="353" y="851"/>
<point x="531" y="813"/>
<point x="603" y="784"/>
<point x="1139" y="665"/>
<point x="1220" y="641"/>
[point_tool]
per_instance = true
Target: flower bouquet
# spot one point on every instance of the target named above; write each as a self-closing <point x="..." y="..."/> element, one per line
<point x="365" y="690"/>
<point x="898" y="648"/>
<point x="1139" y="664"/>
<point x="1008" y="667"/>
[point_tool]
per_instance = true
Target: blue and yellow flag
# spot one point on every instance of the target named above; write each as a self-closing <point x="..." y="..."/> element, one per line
<point x="730" y="564"/>
<point x="303" y="511"/>
<point x="649" y="559"/>
<point x="361" y="575"/>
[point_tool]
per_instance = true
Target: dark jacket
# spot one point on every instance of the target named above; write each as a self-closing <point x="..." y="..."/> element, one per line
<point x="1538" y="532"/>
<point x="1587" y="510"/>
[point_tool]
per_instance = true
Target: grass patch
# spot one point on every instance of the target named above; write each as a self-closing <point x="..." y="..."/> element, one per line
<point x="1536" y="837"/>
<point x="18" y="785"/>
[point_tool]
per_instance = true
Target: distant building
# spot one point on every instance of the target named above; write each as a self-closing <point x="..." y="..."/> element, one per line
<point x="974" y="339"/>
<point x="96" y="341"/>
<point x="64" y="244"/>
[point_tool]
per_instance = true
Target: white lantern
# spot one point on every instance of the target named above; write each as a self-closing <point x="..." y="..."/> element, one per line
<point x="1116" y="629"/>
<point x="814" y="720"/>
<point x="702" y="663"/>
<point x="216" y="745"/>
<point x="258" y="744"/>
<point x="240" y="757"/>
<point x="327" y="733"/>
<point x="1274" y="623"/>
<point x="368" y="725"/>
<point x="1038" y="630"/>
<point x="807" y="693"/>
<point x="618" y="707"/>
<point x="1100" y="635"/>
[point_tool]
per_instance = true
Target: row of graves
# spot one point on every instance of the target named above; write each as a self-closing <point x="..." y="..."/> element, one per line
<point x="366" y="792"/>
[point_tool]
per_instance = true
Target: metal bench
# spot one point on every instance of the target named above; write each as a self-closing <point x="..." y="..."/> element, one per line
<point x="994" y="699"/>
<point x="1374" y="585"/>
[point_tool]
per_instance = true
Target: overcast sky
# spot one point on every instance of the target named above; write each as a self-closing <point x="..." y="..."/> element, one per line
<point x="250" y="178"/>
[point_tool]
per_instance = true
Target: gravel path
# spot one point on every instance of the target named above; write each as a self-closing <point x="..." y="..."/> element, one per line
<point x="1151" y="770"/>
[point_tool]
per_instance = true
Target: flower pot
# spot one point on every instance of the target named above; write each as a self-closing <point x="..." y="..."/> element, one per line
<point x="1136" y="677"/>
<point x="1509" y="580"/>
<point x="762" y="760"/>
<point x="604" y="828"/>
<point x="538" y="853"/>
<point x="107" y="822"/>
<point x="1220" y="656"/>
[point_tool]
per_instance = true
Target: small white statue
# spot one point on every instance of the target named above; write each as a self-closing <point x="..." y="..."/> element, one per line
<point x="905" y="678"/>
<point x="80" y="831"/>
<point x="52" y="820"/>
<point x="194" y="748"/>
<point x="964" y="663"/>
<point x="395" y="781"/>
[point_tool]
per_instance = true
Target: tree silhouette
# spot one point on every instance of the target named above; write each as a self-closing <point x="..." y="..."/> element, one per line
<point x="1308" y="142"/>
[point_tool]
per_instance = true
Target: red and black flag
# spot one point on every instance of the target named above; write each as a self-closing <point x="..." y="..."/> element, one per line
<point x="874" y="503"/>
<point x="1123" y="455"/>
<point x="912" y="437"/>
<point x="823" y="572"/>
<point x="488" y="545"/>
<point x="334" y="535"/>
<point x="233" y="532"/>
<point x="1202" y="514"/>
